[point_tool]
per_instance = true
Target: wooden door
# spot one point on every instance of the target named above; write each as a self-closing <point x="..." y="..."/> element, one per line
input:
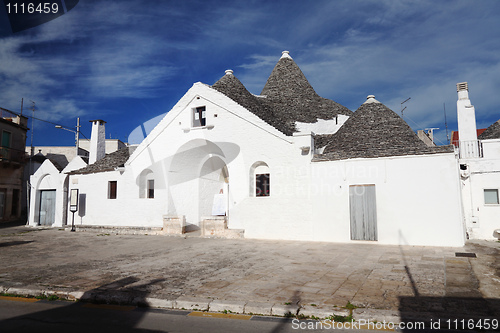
<point x="47" y="207"/>
<point x="363" y="209"/>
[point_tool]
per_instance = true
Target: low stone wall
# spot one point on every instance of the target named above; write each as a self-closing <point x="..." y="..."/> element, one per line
<point x="117" y="230"/>
<point x="213" y="225"/>
<point x="174" y="225"/>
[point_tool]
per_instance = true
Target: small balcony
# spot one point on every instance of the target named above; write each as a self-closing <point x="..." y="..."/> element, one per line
<point x="11" y="156"/>
<point x="470" y="149"/>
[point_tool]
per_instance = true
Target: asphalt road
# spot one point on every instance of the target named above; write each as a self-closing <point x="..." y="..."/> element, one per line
<point x="29" y="315"/>
<point x="59" y="316"/>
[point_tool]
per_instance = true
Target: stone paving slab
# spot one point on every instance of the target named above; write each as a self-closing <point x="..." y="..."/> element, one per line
<point x="266" y="277"/>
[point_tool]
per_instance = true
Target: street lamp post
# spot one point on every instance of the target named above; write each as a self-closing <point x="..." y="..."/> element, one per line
<point x="77" y="133"/>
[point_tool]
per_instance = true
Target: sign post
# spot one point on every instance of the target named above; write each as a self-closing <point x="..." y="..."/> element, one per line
<point x="73" y="206"/>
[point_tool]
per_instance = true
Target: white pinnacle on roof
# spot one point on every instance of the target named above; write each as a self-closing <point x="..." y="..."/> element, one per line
<point x="370" y="99"/>
<point x="229" y="72"/>
<point x="285" y="54"/>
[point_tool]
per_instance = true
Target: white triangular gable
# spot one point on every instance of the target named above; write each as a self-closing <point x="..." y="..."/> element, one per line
<point x="75" y="164"/>
<point x="203" y="91"/>
<point x="47" y="167"/>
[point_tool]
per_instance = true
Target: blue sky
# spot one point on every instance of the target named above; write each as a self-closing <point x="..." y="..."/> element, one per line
<point x="129" y="61"/>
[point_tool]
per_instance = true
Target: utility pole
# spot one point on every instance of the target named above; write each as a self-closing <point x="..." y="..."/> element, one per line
<point x="32" y="130"/>
<point x="77" y="135"/>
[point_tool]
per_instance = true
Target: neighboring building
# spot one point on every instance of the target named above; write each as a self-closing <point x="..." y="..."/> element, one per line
<point x="286" y="164"/>
<point x="455" y="136"/>
<point x="479" y="157"/>
<point x="13" y="129"/>
<point x="49" y="174"/>
<point x="111" y="145"/>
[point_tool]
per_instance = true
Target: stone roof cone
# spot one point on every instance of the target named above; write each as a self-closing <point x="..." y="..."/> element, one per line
<point x="287" y="97"/>
<point x="376" y="131"/>
<point x="294" y="97"/>
<point x="287" y="80"/>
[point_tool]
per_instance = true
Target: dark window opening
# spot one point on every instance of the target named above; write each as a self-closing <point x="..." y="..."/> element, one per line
<point x="262" y="185"/>
<point x="15" y="202"/>
<point x="463" y="166"/>
<point x="112" y="189"/>
<point x="151" y="188"/>
<point x="199" y="117"/>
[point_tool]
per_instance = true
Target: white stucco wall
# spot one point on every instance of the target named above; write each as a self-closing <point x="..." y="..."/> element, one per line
<point x="322" y="126"/>
<point x="411" y="209"/>
<point x="418" y="197"/>
<point x="47" y="177"/>
<point x="175" y="152"/>
<point x="482" y="173"/>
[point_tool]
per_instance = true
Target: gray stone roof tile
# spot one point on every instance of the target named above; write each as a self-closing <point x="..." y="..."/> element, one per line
<point x="287" y="97"/>
<point x="376" y="131"/>
<point x="107" y="163"/>
<point x="492" y="132"/>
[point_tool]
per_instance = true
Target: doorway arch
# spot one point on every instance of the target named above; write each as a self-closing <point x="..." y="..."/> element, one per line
<point x="213" y="187"/>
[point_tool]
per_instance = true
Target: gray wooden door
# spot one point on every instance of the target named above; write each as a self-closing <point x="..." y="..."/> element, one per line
<point x="47" y="207"/>
<point x="363" y="209"/>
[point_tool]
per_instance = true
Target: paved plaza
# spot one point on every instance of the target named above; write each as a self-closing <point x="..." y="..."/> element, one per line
<point x="252" y="276"/>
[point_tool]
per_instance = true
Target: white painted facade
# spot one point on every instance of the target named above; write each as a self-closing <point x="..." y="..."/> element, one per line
<point x="308" y="200"/>
<point x="479" y="172"/>
<point x="209" y="156"/>
<point x="322" y="126"/>
<point x="48" y="178"/>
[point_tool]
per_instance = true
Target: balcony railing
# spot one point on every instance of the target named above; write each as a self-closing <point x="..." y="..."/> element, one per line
<point x="470" y="149"/>
<point x="11" y="155"/>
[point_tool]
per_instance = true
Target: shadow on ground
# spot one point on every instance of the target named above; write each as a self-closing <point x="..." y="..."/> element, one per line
<point x="5" y="244"/>
<point x="10" y="224"/>
<point x="450" y="313"/>
<point x="87" y="316"/>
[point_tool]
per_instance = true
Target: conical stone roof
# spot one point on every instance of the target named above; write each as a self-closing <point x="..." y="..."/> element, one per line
<point x="293" y="96"/>
<point x="287" y="97"/>
<point x="230" y="86"/>
<point x="376" y="131"/>
<point x="492" y="132"/>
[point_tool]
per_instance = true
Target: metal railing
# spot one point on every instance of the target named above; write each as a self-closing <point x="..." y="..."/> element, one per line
<point x="11" y="155"/>
<point x="470" y="149"/>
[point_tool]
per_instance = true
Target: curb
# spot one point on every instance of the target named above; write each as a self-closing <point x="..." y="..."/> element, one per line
<point x="219" y="306"/>
<point x="183" y="303"/>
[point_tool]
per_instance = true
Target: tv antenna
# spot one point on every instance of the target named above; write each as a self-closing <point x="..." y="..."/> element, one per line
<point x="446" y="123"/>
<point x="404" y="108"/>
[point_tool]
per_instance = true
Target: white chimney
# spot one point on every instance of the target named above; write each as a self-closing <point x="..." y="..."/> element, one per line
<point x="97" y="141"/>
<point x="466" y="115"/>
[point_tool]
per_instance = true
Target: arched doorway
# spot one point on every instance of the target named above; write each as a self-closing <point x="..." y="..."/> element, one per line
<point x="213" y="188"/>
<point x="197" y="173"/>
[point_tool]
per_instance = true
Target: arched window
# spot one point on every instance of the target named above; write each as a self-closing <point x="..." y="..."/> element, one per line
<point x="260" y="180"/>
<point x="146" y="184"/>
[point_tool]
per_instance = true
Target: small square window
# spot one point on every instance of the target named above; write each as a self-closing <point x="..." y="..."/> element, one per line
<point x="491" y="197"/>
<point x="112" y="189"/>
<point x="199" y="117"/>
<point x="151" y="188"/>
